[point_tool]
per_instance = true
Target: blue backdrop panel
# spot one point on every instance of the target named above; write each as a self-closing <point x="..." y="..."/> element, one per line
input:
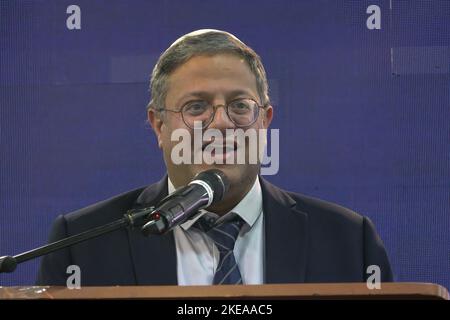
<point x="364" y="115"/>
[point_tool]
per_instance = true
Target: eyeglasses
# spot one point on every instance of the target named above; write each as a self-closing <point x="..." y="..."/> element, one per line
<point x="242" y="112"/>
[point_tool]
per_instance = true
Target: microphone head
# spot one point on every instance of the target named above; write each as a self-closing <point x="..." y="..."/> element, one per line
<point x="217" y="180"/>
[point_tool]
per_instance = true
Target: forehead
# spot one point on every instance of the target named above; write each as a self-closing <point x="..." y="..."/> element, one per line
<point x="214" y="74"/>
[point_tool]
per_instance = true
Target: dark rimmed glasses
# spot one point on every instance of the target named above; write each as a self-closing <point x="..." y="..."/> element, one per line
<point x="199" y="114"/>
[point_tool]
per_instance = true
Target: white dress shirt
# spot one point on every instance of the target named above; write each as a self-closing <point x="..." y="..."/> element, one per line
<point x="198" y="257"/>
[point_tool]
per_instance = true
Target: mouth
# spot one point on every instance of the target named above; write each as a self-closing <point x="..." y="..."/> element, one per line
<point x="220" y="149"/>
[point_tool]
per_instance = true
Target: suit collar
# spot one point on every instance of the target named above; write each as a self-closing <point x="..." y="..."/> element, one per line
<point x="153" y="194"/>
<point x="154" y="257"/>
<point x="285" y="236"/>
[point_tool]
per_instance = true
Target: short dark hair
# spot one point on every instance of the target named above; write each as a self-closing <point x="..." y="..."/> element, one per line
<point x="208" y="42"/>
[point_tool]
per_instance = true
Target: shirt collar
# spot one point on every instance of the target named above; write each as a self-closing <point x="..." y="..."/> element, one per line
<point x="249" y="208"/>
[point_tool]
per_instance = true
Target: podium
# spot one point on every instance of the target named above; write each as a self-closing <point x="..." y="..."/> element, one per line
<point x="348" y="291"/>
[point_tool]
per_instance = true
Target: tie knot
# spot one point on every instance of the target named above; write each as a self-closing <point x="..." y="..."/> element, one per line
<point x="225" y="234"/>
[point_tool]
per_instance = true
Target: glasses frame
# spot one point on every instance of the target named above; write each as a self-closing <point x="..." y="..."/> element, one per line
<point x="215" y="107"/>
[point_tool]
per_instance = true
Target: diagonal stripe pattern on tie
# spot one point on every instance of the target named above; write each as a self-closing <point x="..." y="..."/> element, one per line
<point x="224" y="237"/>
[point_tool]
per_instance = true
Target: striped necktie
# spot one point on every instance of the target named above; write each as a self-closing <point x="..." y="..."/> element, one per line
<point x="224" y="237"/>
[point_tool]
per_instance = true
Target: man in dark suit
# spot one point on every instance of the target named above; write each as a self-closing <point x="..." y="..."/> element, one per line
<point x="257" y="234"/>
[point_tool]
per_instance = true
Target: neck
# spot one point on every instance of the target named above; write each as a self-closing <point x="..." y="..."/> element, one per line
<point x="231" y="200"/>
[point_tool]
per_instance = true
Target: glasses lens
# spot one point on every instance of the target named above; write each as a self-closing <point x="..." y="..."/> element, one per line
<point x="197" y="112"/>
<point x="243" y="112"/>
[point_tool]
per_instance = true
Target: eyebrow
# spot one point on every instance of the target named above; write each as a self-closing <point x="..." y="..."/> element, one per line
<point x="208" y="95"/>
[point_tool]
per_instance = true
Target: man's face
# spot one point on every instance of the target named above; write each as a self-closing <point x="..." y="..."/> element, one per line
<point x="217" y="79"/>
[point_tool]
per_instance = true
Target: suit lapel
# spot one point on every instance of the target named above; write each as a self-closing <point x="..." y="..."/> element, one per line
<point x="154" y="257"/>
<point x="285" y="236"/>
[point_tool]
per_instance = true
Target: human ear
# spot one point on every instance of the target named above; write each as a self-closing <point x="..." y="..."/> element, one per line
<point x="155" y="120"/>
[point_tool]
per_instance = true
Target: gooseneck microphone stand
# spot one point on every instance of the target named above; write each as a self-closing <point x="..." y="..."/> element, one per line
<point x="133" y="218"/>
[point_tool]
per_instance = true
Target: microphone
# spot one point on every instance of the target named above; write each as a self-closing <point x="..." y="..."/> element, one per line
<point x="206" y="188"/>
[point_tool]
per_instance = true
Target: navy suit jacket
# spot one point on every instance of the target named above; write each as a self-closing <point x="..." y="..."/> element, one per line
<point x="306" y="240"/>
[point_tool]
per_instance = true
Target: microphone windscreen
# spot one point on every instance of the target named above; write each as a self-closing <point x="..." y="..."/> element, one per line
<point x="217" y="180"/>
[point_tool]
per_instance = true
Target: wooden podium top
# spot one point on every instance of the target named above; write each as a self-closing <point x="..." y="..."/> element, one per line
<point x="268" y="291"/>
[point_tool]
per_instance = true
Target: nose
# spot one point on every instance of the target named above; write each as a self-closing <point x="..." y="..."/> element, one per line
<point x="221" y="119"/>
